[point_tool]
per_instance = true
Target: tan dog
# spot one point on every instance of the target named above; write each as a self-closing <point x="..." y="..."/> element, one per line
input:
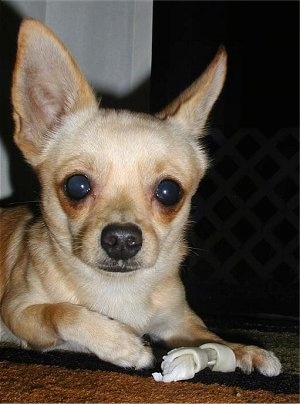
<point x="100" y="268"/>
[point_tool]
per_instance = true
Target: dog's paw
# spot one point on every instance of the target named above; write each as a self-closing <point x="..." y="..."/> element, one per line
<point x="131" y="352"/>
<point x="121" y="346"/>
<point x="252" y="357"/>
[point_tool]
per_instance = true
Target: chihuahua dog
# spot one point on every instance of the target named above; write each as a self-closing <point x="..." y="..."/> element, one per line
<point x="100" y="267"/>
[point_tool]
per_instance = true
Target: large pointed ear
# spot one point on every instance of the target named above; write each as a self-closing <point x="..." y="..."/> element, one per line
<point x="47" y="85"/>
<point x="191" y="109"/>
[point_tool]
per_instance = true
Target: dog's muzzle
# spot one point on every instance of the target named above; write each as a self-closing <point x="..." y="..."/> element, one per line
<point x="121" y="241"/>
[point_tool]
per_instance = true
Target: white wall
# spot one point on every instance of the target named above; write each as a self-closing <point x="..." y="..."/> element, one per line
<point x="110" y="40"/>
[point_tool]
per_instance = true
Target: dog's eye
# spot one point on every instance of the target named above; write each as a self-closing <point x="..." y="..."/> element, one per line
<point x="77" y="187"/>
<point x="168" y="192"/>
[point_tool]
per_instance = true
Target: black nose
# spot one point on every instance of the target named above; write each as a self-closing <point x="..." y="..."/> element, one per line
<point x="121" y="241"/>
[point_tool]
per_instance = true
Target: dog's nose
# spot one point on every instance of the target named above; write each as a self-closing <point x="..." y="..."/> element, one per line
<point x="121" y="241"/>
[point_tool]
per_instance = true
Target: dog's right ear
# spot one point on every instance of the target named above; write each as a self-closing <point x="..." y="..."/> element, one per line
<point x="47" y="86"/>
<point x="191" y="108"/>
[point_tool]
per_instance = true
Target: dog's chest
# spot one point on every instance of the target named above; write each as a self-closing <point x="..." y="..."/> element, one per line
<point x="124" y="300"/>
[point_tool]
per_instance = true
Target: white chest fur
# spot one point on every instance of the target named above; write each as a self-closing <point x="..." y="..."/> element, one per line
<point x="123" y="297"/>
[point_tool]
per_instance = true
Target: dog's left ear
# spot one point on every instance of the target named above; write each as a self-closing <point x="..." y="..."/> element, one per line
<point x="191" y="109"/>
<point x="47" y="87"/>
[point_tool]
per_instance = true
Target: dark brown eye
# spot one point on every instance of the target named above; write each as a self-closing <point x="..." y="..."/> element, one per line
<point x="168" y="192"/>
<point x="77" y="187"/>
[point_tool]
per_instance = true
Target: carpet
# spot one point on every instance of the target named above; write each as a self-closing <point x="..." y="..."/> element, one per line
<point x="30" y="376"/>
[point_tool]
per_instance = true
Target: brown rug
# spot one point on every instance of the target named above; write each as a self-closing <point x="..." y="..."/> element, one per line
<point x="29" y="376"/>
<point x="45" y="383"/>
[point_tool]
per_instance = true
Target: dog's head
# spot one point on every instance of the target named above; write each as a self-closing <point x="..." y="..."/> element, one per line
<point x="116" y="185"/>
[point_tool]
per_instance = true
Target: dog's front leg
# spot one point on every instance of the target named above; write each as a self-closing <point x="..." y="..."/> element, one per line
<point x="186" y="329"/>
<point x="45" y="326"/>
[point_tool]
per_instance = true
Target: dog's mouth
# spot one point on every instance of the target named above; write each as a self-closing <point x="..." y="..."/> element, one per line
<point x="119" y="266"/>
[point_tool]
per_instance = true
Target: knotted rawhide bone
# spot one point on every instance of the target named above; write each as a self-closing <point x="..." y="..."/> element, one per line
<point x="184" y="363"/>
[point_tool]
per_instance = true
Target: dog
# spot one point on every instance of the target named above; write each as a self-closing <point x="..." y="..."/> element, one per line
<point x="99" y="268"/>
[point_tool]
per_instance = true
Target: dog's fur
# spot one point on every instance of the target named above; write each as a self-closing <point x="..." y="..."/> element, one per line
<point x="60" y="287"/>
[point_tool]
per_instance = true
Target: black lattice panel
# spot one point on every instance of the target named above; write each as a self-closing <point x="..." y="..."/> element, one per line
<point x="245" y="214"/>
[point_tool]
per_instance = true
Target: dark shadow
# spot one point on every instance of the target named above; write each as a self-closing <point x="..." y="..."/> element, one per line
<point x="136" y="101"/>
<point x="24" y="182"/>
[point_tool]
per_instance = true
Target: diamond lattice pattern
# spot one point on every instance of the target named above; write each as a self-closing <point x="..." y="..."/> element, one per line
<point x="245" y="214"/>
